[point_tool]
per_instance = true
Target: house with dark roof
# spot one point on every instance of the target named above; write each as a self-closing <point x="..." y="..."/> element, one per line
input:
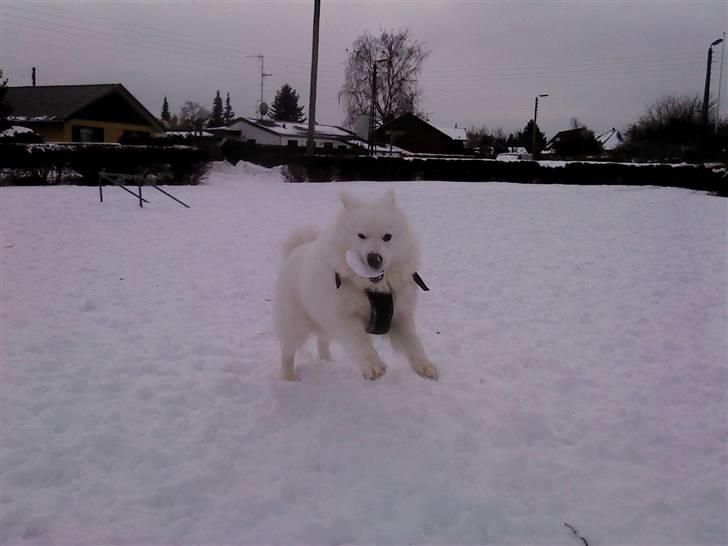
<point x="416" y="135"/>
<point x="578" y="141"/>
<point x="81" y="113"/>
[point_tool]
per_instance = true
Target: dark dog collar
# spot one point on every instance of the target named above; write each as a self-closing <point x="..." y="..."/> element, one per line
<point x="415" y="276"/>
<point x="419" y="281"/>
<point x="381" y="305"/>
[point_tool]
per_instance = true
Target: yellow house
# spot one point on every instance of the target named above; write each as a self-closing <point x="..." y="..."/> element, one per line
<point x="80" y="113"/>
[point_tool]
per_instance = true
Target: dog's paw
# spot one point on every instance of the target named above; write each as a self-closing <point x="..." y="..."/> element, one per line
<point x="374" y="371"/>
<point x="427" y="370"/>
<point x="289" y="376"/>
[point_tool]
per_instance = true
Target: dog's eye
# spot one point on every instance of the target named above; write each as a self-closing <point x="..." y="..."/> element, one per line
<point x="387" y="237"/>
<point x="362" y="236"/>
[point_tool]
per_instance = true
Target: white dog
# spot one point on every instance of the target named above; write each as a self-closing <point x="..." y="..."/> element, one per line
<point x="354" y="278"/>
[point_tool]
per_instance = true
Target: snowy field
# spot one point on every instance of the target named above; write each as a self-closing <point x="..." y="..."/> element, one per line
<point x="580" y="334"/>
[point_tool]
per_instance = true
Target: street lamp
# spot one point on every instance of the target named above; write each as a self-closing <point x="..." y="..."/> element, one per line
<point x="706" y="95"/>
<point x="535" y="115"/>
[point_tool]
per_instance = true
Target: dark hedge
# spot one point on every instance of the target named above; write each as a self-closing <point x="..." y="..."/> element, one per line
<point x="37" y="164"/>
<point x="325" y="169"/>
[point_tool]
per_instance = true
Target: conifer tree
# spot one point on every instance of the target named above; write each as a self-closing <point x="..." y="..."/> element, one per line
<point x="228" y="115"/>
<point x="285" y="105"/>
<point x="526" y="138"/>
<point x="216" y="117"/>
<point x="165" y="111"/>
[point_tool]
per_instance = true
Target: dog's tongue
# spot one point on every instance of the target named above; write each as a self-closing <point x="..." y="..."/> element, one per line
<point x="361" y="268"/>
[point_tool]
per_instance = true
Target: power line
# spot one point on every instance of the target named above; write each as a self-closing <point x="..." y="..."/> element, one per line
<point x="155" y="34"/>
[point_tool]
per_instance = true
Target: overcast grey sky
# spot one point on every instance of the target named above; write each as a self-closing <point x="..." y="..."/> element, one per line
<point x="599" y="61"/>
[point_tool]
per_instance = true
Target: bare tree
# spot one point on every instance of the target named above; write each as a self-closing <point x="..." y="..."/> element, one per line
<point x="192" y="116"/>
<point x="399" y="61"/>
<point x="670" y="127"/>
<point x="670" y="109"/>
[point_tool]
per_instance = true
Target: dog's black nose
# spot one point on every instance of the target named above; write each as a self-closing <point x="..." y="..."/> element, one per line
<point x="374" y="260"/>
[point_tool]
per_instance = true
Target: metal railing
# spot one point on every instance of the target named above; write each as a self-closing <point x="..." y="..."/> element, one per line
<point x="121" y="180"/>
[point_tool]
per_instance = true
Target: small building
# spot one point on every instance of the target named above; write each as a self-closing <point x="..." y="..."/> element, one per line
<point x="610" y="140"/>
<point x="81" y="113"/>
<point x="416" y="135"/>
<point x="577" y="142"/>
<point x="285" y="133"/>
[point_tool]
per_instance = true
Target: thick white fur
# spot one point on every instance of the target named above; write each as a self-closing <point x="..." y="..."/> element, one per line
<point x="307" y="301"/>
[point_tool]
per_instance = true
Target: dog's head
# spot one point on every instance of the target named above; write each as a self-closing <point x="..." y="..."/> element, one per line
<point x="377" y="232"/>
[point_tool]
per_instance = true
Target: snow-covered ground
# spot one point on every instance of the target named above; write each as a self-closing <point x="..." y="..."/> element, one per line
<point x="580" y="334"/>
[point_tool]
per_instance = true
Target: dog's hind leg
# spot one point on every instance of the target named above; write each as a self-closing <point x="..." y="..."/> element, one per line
<point x="324" y="350"/>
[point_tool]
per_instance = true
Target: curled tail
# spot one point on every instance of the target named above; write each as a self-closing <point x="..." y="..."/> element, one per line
<point x="299" y="236"/>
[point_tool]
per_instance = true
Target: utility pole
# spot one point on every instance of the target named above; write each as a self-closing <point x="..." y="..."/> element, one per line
<point x="706" y="95"/>
<point x="720" y="85"/>
<point x="310" y="144"/>
<point x="535" y="116"/>
<point x="373" y="109"/>
<point x="263" y="75"/>
<point x="33" y="76"/>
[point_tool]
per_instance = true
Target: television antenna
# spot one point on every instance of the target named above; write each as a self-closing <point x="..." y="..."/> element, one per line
<point x="263" y="75"/>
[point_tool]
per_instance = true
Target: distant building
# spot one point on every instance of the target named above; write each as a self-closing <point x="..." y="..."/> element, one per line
<point x="416" y="135"/>
<point x="291" y="134"/>
<point x="577" y="142"/>
<point x="81" y="113"/>
<point x="568" y="137"/>
<point x="610" y="139"/>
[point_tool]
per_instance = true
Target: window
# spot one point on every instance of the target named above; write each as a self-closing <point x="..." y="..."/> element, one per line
<point x="292" y="143"/>
<point x="250" y="141"/>
<point x="328" y="145"/>
<point x="87" y="134"/>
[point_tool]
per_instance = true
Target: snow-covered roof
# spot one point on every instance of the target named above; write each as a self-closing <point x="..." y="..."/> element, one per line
<point x="187" y="134"/>
<point x="21" y="119"/>
<point x="287" y="128"/>
<point x="610" y="139"/>
<point x="455" y="133"/>
<point x="15" y="130"/>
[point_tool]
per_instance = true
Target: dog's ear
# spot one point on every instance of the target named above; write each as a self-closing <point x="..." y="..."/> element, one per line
<point x="349" y="201"/>
<point x="389" y="198"/>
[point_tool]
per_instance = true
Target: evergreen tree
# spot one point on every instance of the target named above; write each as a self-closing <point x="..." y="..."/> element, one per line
<point x="216" y="117"/>
<point x="526" y="138"/>
<point x="285" y="105"/>
<point x="165" y="111"/>
<point x="228" y="115"/>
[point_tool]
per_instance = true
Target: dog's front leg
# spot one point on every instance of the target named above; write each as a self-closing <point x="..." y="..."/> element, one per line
<point x="404" y="339"/>
<point x="358" y="345"/>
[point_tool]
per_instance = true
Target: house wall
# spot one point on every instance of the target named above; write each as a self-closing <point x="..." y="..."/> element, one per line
<point x="112" y="130"/>
<point x="415" y="136"/>
<point x="250" y="132"/>
<point x="50" y="132"/>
